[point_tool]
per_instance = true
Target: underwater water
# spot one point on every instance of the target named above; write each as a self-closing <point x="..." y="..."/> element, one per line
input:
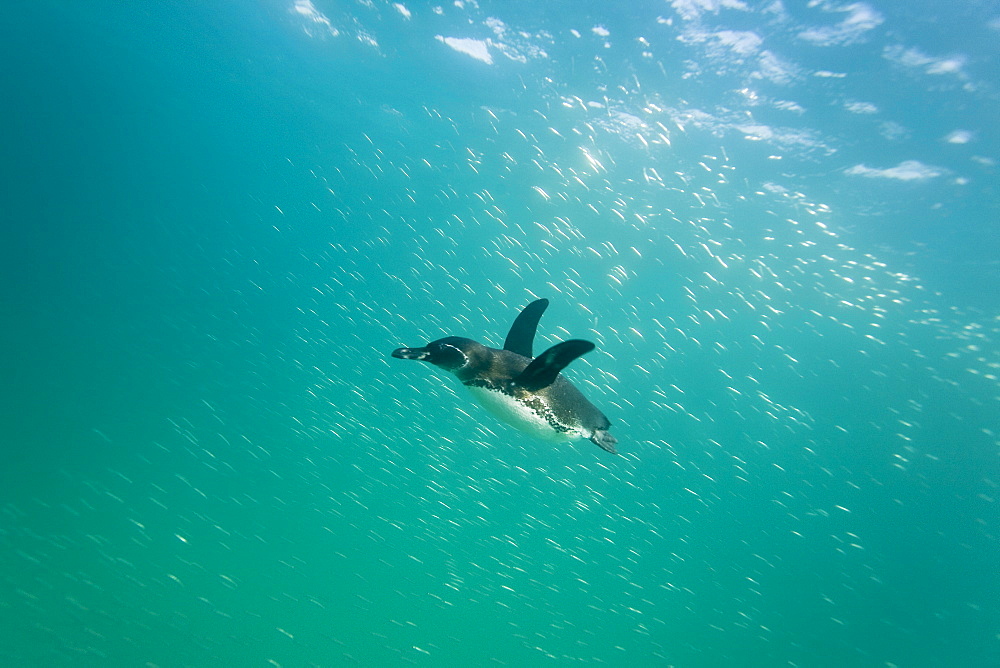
<point x="777" y="220"/>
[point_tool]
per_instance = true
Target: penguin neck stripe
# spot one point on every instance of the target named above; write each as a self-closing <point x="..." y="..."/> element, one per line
<point x="461" y="352"/>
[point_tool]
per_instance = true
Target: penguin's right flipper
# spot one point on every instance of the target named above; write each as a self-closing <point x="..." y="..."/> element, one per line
<point x="522" y="332"/>
<point x="543" y="369"/>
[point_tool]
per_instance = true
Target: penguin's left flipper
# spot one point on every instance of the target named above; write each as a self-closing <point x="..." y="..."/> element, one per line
<point x="543" y="369"/>
<point x="522" y="332"/>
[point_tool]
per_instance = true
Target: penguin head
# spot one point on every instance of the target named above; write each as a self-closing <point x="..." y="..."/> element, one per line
<point x="452" y="353"/>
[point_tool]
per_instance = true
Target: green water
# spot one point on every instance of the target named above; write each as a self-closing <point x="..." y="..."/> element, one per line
<point x="777" y="223"/>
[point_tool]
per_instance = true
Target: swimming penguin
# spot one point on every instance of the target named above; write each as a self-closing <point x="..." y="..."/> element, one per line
<point x="524" y="391"/>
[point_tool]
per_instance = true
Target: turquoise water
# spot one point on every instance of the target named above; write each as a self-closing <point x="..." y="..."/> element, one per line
<point x="777" y="221"/>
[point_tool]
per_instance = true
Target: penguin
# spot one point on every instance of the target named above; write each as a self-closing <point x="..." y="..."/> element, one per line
<point x="529" y="393"/>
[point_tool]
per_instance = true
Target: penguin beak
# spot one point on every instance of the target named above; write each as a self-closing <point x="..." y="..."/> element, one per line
<point x="411" y="353"/>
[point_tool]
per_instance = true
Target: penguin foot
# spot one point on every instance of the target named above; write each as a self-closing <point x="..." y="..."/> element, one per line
<point x="603" y="439"/>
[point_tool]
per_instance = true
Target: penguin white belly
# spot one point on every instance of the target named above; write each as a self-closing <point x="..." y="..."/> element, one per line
<point x="521" y="417"/>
